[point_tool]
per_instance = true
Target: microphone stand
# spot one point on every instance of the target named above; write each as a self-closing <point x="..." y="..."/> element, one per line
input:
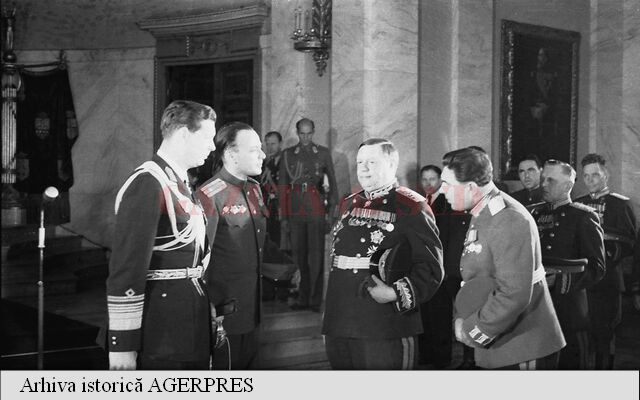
<point x="41" y="235"/>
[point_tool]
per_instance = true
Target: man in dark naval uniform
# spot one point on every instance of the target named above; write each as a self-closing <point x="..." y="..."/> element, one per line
<point x="503" y="308"/>
<point x="269" y="181"/>
<point x="619" y="224"/>
<point x="374" y="326"/>
<point x="234" y="206"/>
<point x="158" y="308"/>
<point x="569" y="231"/>
<point x="310" y="195"/>
<point x="529" y="170"/>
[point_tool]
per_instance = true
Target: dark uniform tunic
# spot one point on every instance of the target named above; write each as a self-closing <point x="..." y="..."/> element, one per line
<point x="369" y="224"/>
<point x="269" y="181"/>
<point x="236" y="213"/>
<point x="304" y="204"/>
<point x="165" y="320"/>
<point x="571" y="231"/>
<point x="605" y="299"/>
<point x="527" y="197"/>
<point x="514" y="322"/>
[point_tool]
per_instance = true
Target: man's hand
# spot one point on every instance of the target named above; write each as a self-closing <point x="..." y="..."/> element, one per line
<point x="636" y="301"/>
<point x="381" y="292"/>
<point x="214" y="317"/>
<point x="460" y="336"/>
<point x="122" y="360"/>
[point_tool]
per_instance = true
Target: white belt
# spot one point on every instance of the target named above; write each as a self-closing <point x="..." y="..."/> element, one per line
<point x="169" y="274"/>
<point x="538" y="275"/>
<point x="344" y="262"/>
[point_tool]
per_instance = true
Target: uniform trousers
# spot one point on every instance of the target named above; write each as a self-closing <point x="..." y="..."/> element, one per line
<point x="307" y="246"/>
<point x="549" y="362"/>
<point x="151" y="363"/>
<point x="576" y="355"/>
<point x="371" y="354"/>
<point x="242" y="351"/>
<point x="605" y="313"/>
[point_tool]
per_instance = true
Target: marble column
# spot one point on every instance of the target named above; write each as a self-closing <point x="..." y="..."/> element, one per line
<point x="374" y="80"/>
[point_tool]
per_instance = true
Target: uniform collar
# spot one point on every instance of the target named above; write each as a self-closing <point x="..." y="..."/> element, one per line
<point x="560" y="203"/>
<point x="492" y="192"/>
<point x="311" y="147"/>
<point x="181" y="172"/>
<point x="230" y="178"/>
<point x="381" y="191"/>
<point x="599" y="194"/>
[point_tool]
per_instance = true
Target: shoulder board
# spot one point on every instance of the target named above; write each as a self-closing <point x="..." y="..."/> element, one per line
<point x="619" y="196"/>
<point x="415" y="196"/>
<point x="353" y="194"/>
<point x="496" y="204"/>
<point x="582" y="198"/>
<point x="535" y="205"/>
<point x="170" y="174"/>
<point x="581" y="206"/>
<point x="213" y="187"/>
<point x="252" y="181"/>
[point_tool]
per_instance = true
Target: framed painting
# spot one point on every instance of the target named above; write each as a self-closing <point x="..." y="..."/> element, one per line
<point x="539" y="95"/>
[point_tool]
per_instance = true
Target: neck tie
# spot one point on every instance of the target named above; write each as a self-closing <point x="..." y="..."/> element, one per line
<point x="429" y="198"/>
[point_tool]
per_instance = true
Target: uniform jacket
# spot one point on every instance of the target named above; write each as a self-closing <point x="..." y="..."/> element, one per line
<point x="616" y="214"/>
<point x="572" y="230"/>
<point x="302" y="171"/>
<point x="526" y="197"/>
<point x="237" y="227"/>
<point x="165" y="318"/>
<point x="269" y="180"/>
<point x="368" y="225"/>
<point x="453" y="227"/>
<point x="516" y="322"/>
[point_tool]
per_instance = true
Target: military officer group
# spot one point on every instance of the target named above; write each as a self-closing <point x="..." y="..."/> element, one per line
<point x="524" y="281"/>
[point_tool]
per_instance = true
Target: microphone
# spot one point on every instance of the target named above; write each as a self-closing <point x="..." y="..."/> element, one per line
<point x="50" y="193"/>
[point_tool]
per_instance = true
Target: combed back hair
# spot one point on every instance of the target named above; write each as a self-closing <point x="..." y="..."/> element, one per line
<point x="431" y="167"/>
<point x="273" y="133"/>
<point x="532" y="157"/>
<point x="469" y="165"/>
<point x="224" y="140"/>
<point x="305" y="121"/>
<point x="593" y="158"/>
<point x="387" y="147"/>
<point x="184" y="113"/>
<point x="566" y="169"/>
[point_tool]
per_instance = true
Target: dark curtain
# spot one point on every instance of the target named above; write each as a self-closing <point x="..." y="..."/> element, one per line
<point x="47" y="129"/>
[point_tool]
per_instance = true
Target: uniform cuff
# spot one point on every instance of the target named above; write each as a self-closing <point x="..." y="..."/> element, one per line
<point x="406" y="295"/>
<point x="124" y="340"/>
<point x="477" y="337"/>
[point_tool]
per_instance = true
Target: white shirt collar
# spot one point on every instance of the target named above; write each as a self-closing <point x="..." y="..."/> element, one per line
<point x="182" y="173"/>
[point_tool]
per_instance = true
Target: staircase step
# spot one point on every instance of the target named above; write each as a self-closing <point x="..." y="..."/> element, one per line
<point x="292" y="348"/>
<point x="25" y="233"/>
<point x="292" y="319"/>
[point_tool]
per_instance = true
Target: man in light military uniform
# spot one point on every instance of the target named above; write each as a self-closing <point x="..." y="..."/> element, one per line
<point x="503" y="309"/>
<point x="570" y="231"/>
<point x="236" y="212"/>
<point x="376" y="327"/>
<point x="310" y="195"/>
<point x="158" y="308"/>
<point x="619" y="224"/>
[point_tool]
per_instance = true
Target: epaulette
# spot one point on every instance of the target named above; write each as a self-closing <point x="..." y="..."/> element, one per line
<point x="214" y="187"/>
<point x="535" y="205"/>
<point x="252" y="181"/>
<point x="496" y="204"/>
<point x="581" y="206"/>
<point x="620" y="196"/>
<point x="415" y="196"/>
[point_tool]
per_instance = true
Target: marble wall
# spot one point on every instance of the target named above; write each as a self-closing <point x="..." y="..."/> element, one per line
<point x="374" y="80"/>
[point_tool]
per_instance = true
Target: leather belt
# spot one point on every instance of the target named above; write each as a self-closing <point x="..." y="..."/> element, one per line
<point x="538" y="276"/>
<point x="170" y="274"/>
<point x="344" y="262"/>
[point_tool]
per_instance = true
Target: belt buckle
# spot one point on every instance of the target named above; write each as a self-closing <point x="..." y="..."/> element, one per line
<point x="304" y="187"/>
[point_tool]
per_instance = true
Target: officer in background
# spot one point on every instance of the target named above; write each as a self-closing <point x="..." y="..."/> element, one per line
<point x="529" y="170"/>
<point x="569" y="231"/>
<point x="269" y="181"/>
<point x="617" y="219"/>
<point x="370" y="323"/>
<point x="503" y="309"/>
<point x="158" y="308"/>
<point x="310" y="195"/>
<point x="236" y="211"/>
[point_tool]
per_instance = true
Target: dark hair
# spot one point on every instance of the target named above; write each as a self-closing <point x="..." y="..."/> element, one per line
<point x="469" y="165"/>
<point x="532" y="157"/>
<point x="566" y="168"/>
<point x="480" y="149"/>
<point x="273" y="133"/>
<point x="226" y="139"/>
<point x="431" y="167"/>
<point x="305" y="121"/>
<point x="387" y="147"/>
<point x="184" y="113"/>
<point x="593" y="158"/>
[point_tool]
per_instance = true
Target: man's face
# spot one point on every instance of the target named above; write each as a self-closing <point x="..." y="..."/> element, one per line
<point x="555" y="185"/>
<point x="200" y="143"/>
<point x="305" y="134"/>
<point x="529" y="174"/>
<point x="459" y="194"/>
<point x="248" y="153"/>
<point x="374" y="168"/>
<point x="595" y="177"/>
<point x="430" y="181"/>
<point x="272" y="145"/>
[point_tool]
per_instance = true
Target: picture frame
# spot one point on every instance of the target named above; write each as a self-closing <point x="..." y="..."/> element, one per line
<point x="538" y="95"/>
